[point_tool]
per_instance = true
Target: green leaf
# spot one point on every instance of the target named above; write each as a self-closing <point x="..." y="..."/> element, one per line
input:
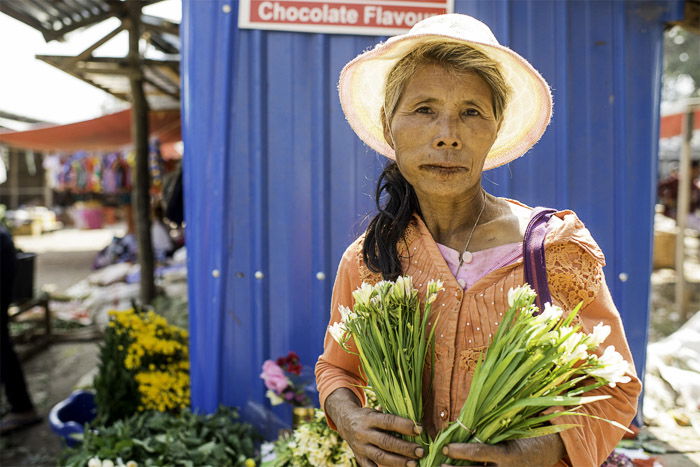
<point x="545" y="430"/>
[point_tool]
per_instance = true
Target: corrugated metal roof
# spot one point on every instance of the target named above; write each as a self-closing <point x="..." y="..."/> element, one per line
<point x="55" y="18"/>
<point x="161" y="77"/>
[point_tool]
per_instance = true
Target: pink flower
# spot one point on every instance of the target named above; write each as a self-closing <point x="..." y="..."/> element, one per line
<point x="274" y="377"/>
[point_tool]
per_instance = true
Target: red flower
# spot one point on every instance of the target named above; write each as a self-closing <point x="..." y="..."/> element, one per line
<point x="290" y="363"/>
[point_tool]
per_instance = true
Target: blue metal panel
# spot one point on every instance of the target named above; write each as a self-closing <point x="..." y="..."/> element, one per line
<point x="277" y="183"/>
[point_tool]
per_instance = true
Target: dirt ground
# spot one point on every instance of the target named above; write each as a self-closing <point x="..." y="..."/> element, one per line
<point x="65" y="258"/>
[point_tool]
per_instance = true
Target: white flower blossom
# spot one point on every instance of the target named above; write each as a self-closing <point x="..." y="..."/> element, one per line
<point x="95" y="462"/>
<point x="549" y="315"/>
<point x="435" y="286"/>
<point x="600" y="333"/>
<point x="107" y="463"/>
<point x="346" y="314"/>
<point x="132" y="464"/>
<point x="573" y="348"/>
<point x="613" y="367"/>
<point x="520" y="294"/>
<point x="363" y="294"/>
<point x="338" y="332"/>
<point x="403" y="287"/>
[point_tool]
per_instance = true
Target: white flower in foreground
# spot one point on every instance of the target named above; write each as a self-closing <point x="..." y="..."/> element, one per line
<point x="107" y="463"/>
<point x="132" y="464"/>
<point x="403" y="287"/>
<point x="434" y="286"/>
<point x="551" y="313"/>
<point x="346" y="314"/>
<point x="520" y="294"/>
<point x="613" y="367"/>
<point x="338" y="332"/>
<point x="363" y="294"/>
<point x="95" y="462"/>
<point x="572" y="349"/>
<point x="600" y="333"/>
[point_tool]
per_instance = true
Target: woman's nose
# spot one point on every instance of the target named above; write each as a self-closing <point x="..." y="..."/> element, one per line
<point x="447" y="142"/>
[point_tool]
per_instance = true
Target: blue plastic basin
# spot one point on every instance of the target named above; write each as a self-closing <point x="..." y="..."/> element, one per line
<point x="69" y="416"/>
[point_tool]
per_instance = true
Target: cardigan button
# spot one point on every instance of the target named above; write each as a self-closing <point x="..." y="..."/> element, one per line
<point x="443" y="414"/>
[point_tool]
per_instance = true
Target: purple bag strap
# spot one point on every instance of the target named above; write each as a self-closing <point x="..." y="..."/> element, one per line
<point x="533" y="254"/>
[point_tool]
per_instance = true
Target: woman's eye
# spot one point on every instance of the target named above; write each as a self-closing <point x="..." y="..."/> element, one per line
<point x="472" y="112"/>
<point x="424" y="110"/>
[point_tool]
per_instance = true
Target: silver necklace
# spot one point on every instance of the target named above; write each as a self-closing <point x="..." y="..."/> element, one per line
<point x="469" y="239"/>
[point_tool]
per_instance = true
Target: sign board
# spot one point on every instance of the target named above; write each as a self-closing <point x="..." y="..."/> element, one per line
<point x="375" y="18"/>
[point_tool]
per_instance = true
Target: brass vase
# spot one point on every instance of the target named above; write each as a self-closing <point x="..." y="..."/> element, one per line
<point x="301" y="415"/>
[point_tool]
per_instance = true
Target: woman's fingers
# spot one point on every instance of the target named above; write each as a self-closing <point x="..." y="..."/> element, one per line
<point x="396" y="424"/>
<point x="364" y="462"/>
<point x="387" y="459"/>
<point x="397" y="445"/>
<point x="475" y="452"/>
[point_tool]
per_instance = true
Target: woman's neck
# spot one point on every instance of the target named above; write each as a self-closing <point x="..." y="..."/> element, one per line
<point x="450" y="221"/>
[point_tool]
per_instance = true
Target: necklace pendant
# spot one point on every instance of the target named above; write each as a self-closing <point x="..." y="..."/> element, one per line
<point x="467" y="257"/>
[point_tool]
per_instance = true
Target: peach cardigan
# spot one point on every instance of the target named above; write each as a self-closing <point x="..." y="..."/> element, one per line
<point x="470" y="317"/>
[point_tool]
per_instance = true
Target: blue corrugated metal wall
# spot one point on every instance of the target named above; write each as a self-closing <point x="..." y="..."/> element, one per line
<point x="278" y="185"/>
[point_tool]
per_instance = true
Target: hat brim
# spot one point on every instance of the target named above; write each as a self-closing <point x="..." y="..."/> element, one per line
<point x="527" y="113"/>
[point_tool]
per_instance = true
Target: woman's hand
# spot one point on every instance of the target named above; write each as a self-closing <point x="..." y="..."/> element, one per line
<point x="370" y="433"/>
<point x="536" y="452"/>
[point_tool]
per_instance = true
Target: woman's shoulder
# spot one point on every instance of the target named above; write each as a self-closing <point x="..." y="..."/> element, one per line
<point x="353" y="264"/>
<point x="566" y="228"/>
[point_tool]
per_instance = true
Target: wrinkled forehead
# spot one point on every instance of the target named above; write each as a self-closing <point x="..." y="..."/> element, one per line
<point x="436" y="81"/>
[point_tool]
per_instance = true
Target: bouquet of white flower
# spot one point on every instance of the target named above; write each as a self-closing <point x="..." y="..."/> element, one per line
<point x="535" y="362"/>
<point x="391" y="333"/>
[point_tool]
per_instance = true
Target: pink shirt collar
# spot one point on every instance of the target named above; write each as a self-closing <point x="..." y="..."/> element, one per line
<point x="482" y="262"/>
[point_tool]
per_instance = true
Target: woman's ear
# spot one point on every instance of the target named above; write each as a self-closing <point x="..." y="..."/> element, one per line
<point x="387" y="131"/>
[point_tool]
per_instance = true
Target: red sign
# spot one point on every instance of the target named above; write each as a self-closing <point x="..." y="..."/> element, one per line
<point x="377" y="18"/>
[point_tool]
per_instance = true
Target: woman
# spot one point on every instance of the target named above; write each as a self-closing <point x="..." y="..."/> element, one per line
<point x="446" y="102"/>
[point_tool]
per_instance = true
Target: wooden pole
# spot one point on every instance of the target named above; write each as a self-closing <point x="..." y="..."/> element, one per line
<point x="141" y="201"/>
<point x="13" y="174"/>
<point x="682" y="208"/>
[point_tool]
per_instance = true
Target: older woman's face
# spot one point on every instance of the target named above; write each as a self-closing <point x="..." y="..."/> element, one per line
<point x="442" y="130"/>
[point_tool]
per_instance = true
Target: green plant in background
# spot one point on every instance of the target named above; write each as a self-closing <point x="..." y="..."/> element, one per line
<point x="154" y="438"/>
<point x="116" y="391"/>
<point x="174" y="309"/>
<point x="144" y="365"/>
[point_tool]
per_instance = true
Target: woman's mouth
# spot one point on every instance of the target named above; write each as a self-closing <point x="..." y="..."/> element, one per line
<point x="443" y="169"/>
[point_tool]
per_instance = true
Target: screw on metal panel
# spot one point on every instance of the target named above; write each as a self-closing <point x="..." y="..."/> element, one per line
<point x="320" y="275"/>
<point x="215" y="273"/>
<point x="623" y="276"/>
<point x="226" y="8"/>
<point x="259" y="275"/>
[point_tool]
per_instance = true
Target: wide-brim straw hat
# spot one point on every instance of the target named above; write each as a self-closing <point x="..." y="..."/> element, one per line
<point x="527" y="113"/>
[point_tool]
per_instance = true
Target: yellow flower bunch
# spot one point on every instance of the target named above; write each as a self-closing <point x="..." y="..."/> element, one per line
<point x="158" y="356"/>
<point x="164" y="390"/>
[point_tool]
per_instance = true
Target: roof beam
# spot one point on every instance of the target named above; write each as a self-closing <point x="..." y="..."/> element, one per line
<point x="87" y="52"/>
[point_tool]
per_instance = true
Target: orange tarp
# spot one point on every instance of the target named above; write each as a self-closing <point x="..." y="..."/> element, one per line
<point x="671" y="125"/>
<point x="106" y="133"/>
